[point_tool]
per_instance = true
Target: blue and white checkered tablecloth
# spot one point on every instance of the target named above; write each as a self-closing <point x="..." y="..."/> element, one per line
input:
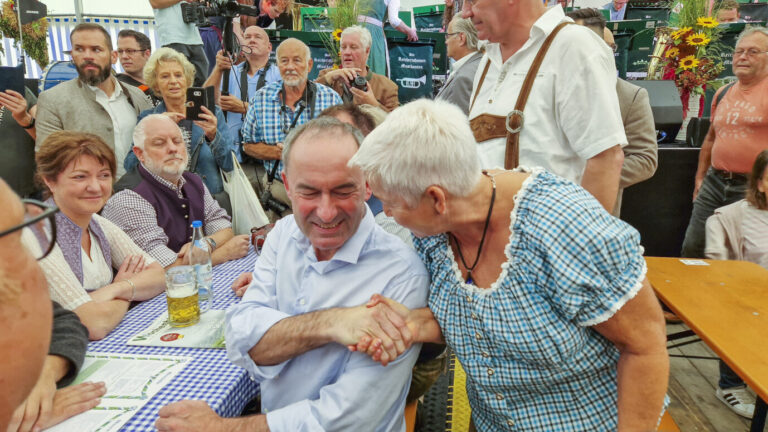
<point x="210" y="376"/>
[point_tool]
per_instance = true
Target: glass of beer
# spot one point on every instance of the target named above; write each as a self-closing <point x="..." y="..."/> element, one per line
<point x="181" y="293"/>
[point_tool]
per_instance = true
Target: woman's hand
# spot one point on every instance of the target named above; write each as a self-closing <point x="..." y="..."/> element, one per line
<point x="132" y="265"/>
<point x="208" y="123"/>
<point x="17" y="105"/>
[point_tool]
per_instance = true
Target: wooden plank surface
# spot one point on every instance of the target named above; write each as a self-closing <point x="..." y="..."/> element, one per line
<point x="726" y="304"/>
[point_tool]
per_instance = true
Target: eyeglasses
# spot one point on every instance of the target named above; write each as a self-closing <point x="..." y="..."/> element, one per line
<point x="39" y="218"/>
<point x="749" y="53"/>
<point x="129" y="51"/>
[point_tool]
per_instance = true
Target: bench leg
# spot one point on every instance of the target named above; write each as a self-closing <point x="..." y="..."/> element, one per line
<point x="758" y="419"/>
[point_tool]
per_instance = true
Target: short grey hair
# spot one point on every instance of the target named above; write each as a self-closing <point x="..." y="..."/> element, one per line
<point x="749" y="31"/>
<point x="421" y="144"/>
<point x="464" y="25"/>
<point x="167" y="55"/>
<point x="320" y="126"/>
<point x="362" y="32"/>
<point x="307" y="52"/>
<point x="140" y="131"/>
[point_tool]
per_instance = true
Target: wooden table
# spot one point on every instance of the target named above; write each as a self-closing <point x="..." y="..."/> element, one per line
<point x="726" y="304"/>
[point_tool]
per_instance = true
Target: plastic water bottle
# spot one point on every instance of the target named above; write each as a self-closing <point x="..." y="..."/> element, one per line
<point x="200" y="257"/>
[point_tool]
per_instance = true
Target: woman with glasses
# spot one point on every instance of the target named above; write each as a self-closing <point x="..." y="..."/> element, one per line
<point x="77" y="170"/>
<point x="170" y="74"/>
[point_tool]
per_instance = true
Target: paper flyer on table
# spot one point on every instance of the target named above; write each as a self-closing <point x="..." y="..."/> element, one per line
<point x="207" y="333"/>
<point x="131" y="381"/>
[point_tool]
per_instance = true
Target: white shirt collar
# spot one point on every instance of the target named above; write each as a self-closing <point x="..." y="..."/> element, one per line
<point x="115" y="94"/>
<point x="460" y="62"/>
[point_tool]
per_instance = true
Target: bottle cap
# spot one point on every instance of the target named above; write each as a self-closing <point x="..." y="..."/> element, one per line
<point x="197" y="224"/>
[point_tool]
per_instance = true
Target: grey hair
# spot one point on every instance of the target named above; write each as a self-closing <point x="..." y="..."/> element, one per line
<point x="140" y="131"/>
<point x="749" y="31"/>
<point x="308" y="53"/>
<point x="167" y="55"/>
<point x="320" y="126"/>
<point x="421" y="144"/>
<point x="464" y="25"/>
<point x="364" y="33"/>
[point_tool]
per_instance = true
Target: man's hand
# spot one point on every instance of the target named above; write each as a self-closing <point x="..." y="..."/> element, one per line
<point x="379" y="328"/>
<point x="232" y="104"/>
<point x="696" y="186"/>
<point x="17" y="105"/>
<point x="193" y="416"/>
<point x="241" y="283"/>
<point x="264" y="151"/>
<point x="411" y="35"/>
<point x="364" y="97"/>
<point x="223" y="62"/>
<point x="45" y="406"/>
<point x="235" y="248"/>
<point x="346" y="75"/>
<point x="208" y="123"/>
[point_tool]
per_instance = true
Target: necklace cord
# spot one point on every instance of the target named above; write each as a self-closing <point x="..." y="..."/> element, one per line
<point x="485" y="232"/>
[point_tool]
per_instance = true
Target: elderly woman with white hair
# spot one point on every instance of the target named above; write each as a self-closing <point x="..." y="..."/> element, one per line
<point x="355" y="48"/>
<point x="462" y="45"/>
<point x="209" y="143"/>
<point x="538" y="290"/>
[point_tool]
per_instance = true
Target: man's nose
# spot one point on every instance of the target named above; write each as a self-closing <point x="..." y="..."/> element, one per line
<point x="326" y="209"/>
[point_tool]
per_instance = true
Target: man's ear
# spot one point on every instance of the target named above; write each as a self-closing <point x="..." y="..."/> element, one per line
<point x="437" y="197"/>
<point x="139" y="152"/>
<point x="309" y="65"/>
<point x="113" y="56"/>
<point x="285" y="183"/>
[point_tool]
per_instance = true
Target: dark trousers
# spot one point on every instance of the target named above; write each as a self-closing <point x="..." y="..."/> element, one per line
<point x="715" y="192"/>
<point x="196" y="56"/>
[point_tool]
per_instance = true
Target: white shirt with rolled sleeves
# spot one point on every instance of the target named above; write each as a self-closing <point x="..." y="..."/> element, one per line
<point x="572" y="113"/>
<point x="328" y="388"/>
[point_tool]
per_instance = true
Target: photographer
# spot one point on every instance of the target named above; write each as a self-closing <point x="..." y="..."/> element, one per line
<point x="173" y="32"/>
<point x="274" y="111"/>
<point x="355" y="82"/>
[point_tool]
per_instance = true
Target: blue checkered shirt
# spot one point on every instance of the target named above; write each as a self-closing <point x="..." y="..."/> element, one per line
<point x="533" y="362"/>
<point x="264" y="121"/>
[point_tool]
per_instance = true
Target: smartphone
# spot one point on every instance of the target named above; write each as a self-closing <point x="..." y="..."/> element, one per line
<point x="198" y="97"/>
<point x="12" y="78"/>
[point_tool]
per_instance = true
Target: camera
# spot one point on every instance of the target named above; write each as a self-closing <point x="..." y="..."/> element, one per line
<point x="198" y="13"/>
<point x="360" y="83"/>
<point x="270" y="203"/>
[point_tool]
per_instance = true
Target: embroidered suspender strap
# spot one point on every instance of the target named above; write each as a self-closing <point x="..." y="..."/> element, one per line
<point x="480" y="83"/>
<point x="487" y="126"/>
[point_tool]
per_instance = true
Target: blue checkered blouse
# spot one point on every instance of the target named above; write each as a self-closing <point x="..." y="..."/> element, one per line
<point x="264" y="122"/>
<point x="533" y="363"/>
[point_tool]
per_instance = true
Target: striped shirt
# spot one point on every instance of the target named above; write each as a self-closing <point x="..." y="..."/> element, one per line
<point x="267" y="117"/>
<point x="136" y="216"/>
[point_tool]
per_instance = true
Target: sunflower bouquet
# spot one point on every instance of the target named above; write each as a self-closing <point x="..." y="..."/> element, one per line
<point x="692" y="55"/>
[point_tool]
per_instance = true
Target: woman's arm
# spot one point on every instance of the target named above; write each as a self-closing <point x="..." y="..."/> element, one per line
<point x="639" y="333"/>
<point x="101" y="317"/>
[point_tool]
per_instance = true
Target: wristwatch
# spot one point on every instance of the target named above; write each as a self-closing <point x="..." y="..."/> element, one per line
<point x="211" y="243"/>
<point x="30" y="125"/>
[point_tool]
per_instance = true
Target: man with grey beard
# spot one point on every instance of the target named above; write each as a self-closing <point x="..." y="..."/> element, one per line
<point x="276" y="109"/>
<point x="95" y="101"/>
<point x="158" y="207"/>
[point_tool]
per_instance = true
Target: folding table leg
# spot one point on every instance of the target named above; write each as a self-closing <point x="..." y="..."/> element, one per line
<point x="758" y="418"/>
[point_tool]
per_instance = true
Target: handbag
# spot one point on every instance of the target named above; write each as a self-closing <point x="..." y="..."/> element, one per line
<point x="247" y="212"/>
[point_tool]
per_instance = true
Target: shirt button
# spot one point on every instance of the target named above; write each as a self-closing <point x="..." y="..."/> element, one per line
<point x="469" y="299"/>
<point x="490" y="371"/>
<point x="183" y="206"/>
<point x="302" y="302"/>
<point x="510" y="422"/>
<point x="478" y="335"/>
<point x="485" y="354"/>
<point x="186" y="216"/>
<point x="474" y="316"/>
<point x="499" y="396"/>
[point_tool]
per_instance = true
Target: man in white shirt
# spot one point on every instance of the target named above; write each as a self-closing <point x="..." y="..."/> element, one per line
<point x="299" y="312"/>
<point x="572" y="123"/>
<point x="95" y="101"/>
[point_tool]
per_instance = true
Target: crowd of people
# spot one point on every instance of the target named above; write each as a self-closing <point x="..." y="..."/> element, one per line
<point x="399" y="230"/>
